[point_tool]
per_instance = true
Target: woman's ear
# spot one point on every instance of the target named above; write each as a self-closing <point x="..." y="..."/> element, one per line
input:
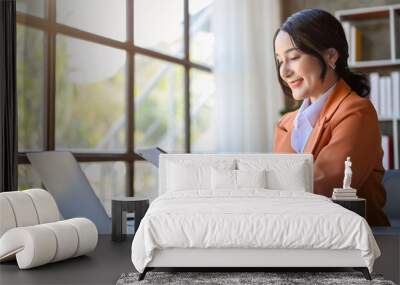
<point x="331" y="56"/>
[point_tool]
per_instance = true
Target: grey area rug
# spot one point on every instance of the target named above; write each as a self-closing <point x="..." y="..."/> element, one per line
<point x="226" y="278"/>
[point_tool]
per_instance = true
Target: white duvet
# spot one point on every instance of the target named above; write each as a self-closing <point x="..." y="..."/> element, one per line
<point x="250" y="219"/>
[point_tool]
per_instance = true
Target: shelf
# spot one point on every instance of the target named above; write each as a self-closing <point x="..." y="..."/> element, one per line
<point x="373" y="36"/>
<point x="385" y="119"/>
<point x="365" y="13"/>
<point x="366" y="16"/>
<point x="375" y="64"/>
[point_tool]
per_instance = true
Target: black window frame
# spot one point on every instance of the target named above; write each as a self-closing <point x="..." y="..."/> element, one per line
<point x="52" y="28"/>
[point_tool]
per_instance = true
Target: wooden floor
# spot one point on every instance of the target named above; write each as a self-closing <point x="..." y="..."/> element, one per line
<point x="110" y="259"/>
<point x="103" y="266"/>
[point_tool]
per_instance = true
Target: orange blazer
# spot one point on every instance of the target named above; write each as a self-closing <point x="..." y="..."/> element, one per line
<point x="347" y="126"/>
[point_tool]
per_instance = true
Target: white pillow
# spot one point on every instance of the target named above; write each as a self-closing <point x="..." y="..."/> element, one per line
<point x="223" y="179"/>
<point x="282" y="174"/>
<point x="187" y="174"/>
<point x="183" y="177"/>
<point x="226" y="179"/>
<point x="251" y="178"/>
<point x="293" y="179"/>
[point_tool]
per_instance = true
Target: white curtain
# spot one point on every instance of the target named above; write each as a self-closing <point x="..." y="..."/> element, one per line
<point x="248" y="96"/>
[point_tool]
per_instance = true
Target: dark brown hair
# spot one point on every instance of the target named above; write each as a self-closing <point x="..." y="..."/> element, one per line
<point x="313" y="31"/>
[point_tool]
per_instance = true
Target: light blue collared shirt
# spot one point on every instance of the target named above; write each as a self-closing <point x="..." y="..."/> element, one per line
<point x="306" y="119"/>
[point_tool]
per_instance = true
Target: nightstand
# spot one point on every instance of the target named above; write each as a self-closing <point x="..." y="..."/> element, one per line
<point x="119" y="207"/>
<point x="357" y="205"/>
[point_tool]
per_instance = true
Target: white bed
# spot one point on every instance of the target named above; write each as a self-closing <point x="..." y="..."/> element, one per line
<point x="200" y="220"/>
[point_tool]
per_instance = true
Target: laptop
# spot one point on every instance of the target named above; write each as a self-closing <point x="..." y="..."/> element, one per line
<point x="151" y="154"/>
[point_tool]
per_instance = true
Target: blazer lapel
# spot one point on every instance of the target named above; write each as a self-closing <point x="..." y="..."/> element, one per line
<point x="314" y="136"/>
<point x="342" y="90"/>
<point x="286" y="128"/>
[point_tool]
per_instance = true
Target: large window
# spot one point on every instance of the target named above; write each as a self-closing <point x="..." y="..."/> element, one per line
<point x="102" y="78"/>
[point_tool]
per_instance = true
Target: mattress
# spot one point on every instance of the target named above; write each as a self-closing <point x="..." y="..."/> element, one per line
<point x="250" y="219"/>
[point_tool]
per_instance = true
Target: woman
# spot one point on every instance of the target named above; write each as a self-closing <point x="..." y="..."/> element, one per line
<point x="335" y="120"/>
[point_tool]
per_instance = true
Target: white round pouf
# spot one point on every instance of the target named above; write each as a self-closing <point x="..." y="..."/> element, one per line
<point x="31" y="233"/>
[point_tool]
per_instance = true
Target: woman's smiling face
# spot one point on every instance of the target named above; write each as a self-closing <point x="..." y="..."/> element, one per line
<point x="300" y="71"/>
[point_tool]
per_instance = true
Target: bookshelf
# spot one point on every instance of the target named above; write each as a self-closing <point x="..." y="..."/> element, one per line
<point x="373" y="35"/>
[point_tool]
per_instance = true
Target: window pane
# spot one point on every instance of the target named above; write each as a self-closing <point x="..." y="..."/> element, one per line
<point x="201" y="35"/>
<point x="202" y="111"/>
<point x="35" y="7"/>
<point x="30" y="90"/>
<point x="146" y="183"/>
<point x="90" y="98"/>
<point x="27" y="177"/>
<point x="159" y="104"/>
<point x="103" y="17"/>
<point x="158" y="25"/>
<point x="108" y="179"/>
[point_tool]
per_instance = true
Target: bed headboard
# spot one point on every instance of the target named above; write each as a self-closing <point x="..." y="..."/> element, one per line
<point x="205" y="159"/>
